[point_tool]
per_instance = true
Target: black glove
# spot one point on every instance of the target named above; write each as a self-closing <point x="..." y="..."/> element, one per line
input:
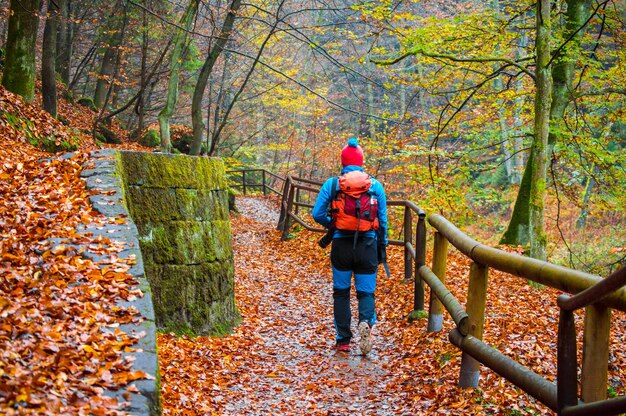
<point x="382" y="248"/>
<point x="382" y="253"/>
<point x="327" y="238"/>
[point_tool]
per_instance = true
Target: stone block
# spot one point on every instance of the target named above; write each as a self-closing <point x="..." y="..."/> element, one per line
<point x="158" y="170"/>
<point x="152" y="205"/>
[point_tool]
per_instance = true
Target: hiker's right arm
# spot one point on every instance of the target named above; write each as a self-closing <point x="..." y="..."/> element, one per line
<point x="320" y="209"/>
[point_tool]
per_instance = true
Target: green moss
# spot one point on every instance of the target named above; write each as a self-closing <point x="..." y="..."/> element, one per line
<point x="49" y="143"/>
<point x="151" y="138"/>
<point x="179" y="204"/>
<point x="417" y="315"/>
<point x="87" y="102"/>
<point x="152" y="205"/>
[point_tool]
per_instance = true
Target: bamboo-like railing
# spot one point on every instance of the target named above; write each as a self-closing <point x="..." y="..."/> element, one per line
<point x="598" y="296"/>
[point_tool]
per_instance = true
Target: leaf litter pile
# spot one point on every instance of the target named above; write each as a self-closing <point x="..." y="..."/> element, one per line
<point x="60" y="345"/>
<point x="280" y="360"/>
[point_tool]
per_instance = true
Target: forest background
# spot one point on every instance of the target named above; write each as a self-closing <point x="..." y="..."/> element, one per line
<point x="446" y="97"/>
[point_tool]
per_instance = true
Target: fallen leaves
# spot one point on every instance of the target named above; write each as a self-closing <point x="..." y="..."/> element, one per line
<point x="60" y="345"/>
<point x="280" y="359"/>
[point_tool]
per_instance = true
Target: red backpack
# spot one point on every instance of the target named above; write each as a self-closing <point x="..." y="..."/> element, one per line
<point x="353" y="207"/>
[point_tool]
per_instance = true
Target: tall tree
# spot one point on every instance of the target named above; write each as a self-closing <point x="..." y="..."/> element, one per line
<point x="48" y="59"/>
<point x="65" y="34"/>
<point x="180" y="44"/>
<point x="564" y="58"/>
<point x="115" y="25"/>
<point x="205" y="72"/>
<point x="19" y="66"/>
<point x="540" y="150"/>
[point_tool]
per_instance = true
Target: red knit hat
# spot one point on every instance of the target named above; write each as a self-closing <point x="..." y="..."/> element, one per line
<point x="352" y="154"/>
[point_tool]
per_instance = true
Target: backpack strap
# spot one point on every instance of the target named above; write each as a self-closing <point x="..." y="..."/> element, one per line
<point x="334" y="188"/>
<point x="333" y="195"/>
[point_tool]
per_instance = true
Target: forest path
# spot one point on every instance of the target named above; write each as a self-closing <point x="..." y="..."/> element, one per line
<point x="292" y="317"/>
<point x="281" y="359"/>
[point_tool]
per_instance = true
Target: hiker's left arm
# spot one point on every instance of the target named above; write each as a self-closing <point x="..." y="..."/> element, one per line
<point x="320" y="209"/>
<point x="382" y="211"/>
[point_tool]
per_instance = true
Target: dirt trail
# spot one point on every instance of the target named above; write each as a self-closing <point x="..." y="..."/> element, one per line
<point x="280" y="360"/>
<point x="296" y="334"/>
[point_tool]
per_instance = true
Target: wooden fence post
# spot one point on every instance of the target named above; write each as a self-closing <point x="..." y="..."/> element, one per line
<point x="264" y="185"/>
<point x="283" y="205"/>
<point x="243" y="181"/>
<point x="408" y="239"/>
<point x="595" y="353"/>
<point x="287" y="221"/>
<point x="476" y="300"/>
<point x="420" y="260"/>
<point x="440" y="257"/>
<point x="567" y="363"/>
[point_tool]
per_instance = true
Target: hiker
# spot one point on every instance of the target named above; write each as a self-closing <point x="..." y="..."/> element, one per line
<point x="353" y="207"/>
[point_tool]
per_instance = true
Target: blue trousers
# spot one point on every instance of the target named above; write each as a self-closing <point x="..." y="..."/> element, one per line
<point x="360" y="261"/>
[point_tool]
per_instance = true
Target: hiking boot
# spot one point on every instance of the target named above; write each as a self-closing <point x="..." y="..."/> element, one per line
<point x="343" y="347"/>
<point x="365" y="334"/>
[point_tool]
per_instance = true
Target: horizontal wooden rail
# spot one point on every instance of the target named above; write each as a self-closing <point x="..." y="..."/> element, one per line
<point x="452" y="305"/>
<point x="596" y="293"/>
<point x="513" y="371"/>
<point x="561" y="278"/>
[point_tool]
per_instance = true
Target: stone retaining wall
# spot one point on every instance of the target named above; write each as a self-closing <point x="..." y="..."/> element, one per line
<point x="176" y="210"/>
<point x="180" y="206"/>
<point x="101" y="177"/>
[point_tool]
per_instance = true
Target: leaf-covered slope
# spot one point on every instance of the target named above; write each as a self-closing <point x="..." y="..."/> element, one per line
<point x="60" y="346"/>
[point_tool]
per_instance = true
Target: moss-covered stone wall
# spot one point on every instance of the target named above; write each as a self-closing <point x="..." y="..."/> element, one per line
<point x="180" y="206"/>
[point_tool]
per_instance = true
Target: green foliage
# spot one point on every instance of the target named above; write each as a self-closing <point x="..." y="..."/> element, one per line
<point x="150" y="138"/>
<point x="109" y="135"/>
<point x="417" y="315"/>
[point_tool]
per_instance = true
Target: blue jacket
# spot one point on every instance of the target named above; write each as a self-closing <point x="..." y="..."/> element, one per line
<point x="320" y="210"/>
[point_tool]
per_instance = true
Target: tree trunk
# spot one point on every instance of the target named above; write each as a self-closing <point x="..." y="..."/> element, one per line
<point x="198" y="94"/>
<point x="64" y="41"/>
<point x="517" y="232"/>
<point x="180" y="45"/>
<point x="578" y="12"/>
<point x="540" y="148"/>
<point x="140" y="106"/>
<point x="109" y="61"/>
<point x="19" y="65"/>
<point x="584" y="212"/>
<point x="48" y="60"/>
<point x="562" y="74"/>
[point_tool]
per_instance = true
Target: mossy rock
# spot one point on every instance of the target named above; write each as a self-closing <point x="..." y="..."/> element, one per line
<point x="108" y="135"/>
<point x="68" y="95"/>
<point x="87" y="102"/>
<point x="183" y="143"/>
<point x="189" y="301"/>
<point x="150" y="138"/>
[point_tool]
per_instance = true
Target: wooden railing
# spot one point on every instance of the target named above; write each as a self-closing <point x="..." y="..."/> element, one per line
<point x="256" y="179"/>
<point x="598" y="296"/>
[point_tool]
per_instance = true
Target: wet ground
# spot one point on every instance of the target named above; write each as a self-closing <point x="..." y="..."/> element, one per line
<point x="296" y="334"/>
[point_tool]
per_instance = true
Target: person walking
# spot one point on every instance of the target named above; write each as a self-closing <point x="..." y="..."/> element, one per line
<point x="353" y="207"/>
